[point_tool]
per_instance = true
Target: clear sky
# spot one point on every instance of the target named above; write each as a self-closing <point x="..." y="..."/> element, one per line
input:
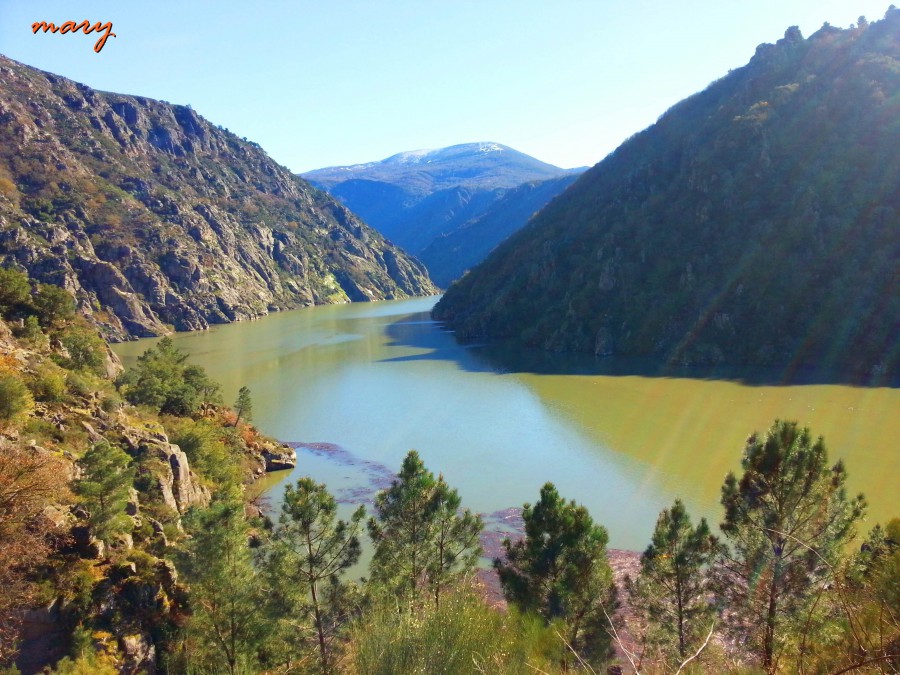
<point x="336" y="82"/>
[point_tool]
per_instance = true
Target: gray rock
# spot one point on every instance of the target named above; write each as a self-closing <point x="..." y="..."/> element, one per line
<point x="278" y="459"/>
<point x="139" y="654"/>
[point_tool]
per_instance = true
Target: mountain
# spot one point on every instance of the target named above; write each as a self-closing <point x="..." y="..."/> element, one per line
<point x="415" y="198"/>
<point x="755" y="223"/>
<point x="448" y="256"/>
<point x="157" y="219"/>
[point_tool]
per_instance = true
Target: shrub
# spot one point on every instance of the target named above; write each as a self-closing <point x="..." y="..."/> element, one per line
<point x="48" y="384"/>
<point x="54" y="305"/>
<point x="14" y="290"/>
<point x="86" y="349"/>
<point x="462" y="635"/>
<point x="15" y="398"/>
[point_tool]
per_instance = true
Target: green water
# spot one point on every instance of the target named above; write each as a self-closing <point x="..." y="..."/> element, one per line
<point x="380" y="379"/>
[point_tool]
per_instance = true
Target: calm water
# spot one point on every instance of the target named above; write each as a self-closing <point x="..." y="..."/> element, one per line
<point x="380" y="379"/>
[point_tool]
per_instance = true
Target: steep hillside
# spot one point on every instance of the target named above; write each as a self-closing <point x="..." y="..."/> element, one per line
<point x="449" y="255"/>
<point x="416" y="198"/>
<point x="755" y="223"/>
<point x="156" y="218"/>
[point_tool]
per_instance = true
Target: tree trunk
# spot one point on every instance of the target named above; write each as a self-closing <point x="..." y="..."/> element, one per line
<point x="769" y="642"/>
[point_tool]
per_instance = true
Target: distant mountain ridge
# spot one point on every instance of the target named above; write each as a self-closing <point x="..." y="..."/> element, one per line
<point x="474" y="165"/>
<point x="418" y="197"/>
<point x="156" y="219"/>
<point x="757" y="222"/>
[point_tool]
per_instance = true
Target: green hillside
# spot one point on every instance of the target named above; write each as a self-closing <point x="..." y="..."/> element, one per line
<point x="755" y="223"/>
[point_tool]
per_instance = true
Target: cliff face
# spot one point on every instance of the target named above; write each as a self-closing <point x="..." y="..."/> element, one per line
<point x="156" y="219"/>
<point x="755" y="223"/>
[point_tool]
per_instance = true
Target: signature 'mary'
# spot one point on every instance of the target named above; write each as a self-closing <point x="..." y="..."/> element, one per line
<point x="72" y="27"/>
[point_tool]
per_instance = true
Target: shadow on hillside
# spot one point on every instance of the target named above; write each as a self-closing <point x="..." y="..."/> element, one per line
<point x="420" y="332"/>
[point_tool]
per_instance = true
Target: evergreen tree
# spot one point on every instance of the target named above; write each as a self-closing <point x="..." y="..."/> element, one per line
<point x="421" y="538"/>
<point x="560" y="570"/>
<point x="54" y="305"/>
<point x="671" y="592"/>
<point x="311" y="548"/>
<point x="104" y="488"/>
<point x="456" y="539"/>
<point x="243" y="406"/>
<point x="163" y="380"/>
<point x="15" y="290"/>
<point x="228" y="624"/>
<point x="787" y="520"/>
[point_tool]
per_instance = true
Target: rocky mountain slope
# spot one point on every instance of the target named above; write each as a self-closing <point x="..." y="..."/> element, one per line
<point x="155" y="218"/>
<point x="756" y="222"/>
<point x="417" y="198"/>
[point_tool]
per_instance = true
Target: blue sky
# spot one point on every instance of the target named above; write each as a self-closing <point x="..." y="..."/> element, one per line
<point x="329" y="83"/>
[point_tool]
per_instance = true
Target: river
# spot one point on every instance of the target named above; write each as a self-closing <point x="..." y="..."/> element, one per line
<point x="619" y="436"/>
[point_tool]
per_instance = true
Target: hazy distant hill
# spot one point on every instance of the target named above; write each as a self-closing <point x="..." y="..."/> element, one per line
<point x="415" y="198"/>
<point x="155" y="218"/>
<point x="756" y="222"/>
<point x="449" y="256"/>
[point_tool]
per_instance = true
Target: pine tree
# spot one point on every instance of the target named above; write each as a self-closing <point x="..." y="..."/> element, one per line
<point x="671" y="592"/>
<point x="104" y="488"/>
<point x="787" y="520"/>
<point x="560" y="570"/>
<point x="421" y="538"/>
<point x="456" y="539"/>
<point x="243" y="406"/>
<point x="311" y="549"/>
<point x="228" y="624"/>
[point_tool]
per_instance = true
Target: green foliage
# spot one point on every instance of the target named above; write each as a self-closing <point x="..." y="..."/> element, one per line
<point x="104" y="489"/>
<point x="31" y="332"/>
<point x="786" y="520"/>
<point x="560" y="571"/>
<point x="421" y="538"/>
<point x="462" y="635"/>
<point x="14" y="290"/>
<point x="864" y="624"/>
<point x="54" y="305"/>
<point x="754" y="223"/>
<point x="162" y="380"/>
<point x="87" y="350"/>
<point x="207" y="448"/>
<point x="86" y="658"/>
<point x="227" y="627"/>
<point x="309" y="552"/>
<point x="672" y="591"/>
<point x="243" y="406"/>
<point x="48" y="383"/>
<point x="15" y="398"/>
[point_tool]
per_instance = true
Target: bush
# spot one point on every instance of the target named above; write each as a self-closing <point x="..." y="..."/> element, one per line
<point x="15" y="398"/>
<point x="463" y="635"/>
<point x="31" y="333"/>
<point x="208" y="453"/>
<point x="14" y="290"/>
<point x="48" y="384"/>
<point x="86" y="349"/>
<point x="54" y="305"/>
<point x="79" y="386"/>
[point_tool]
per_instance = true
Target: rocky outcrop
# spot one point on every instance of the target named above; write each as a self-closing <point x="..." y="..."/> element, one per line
<point x="279" y="459"/>
<point x="156" y="219"/>
<point x="139" y="654"/>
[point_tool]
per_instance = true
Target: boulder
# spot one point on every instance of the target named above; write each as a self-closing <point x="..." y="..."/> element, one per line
<point x="139" y="654"/>
<point x="278" y="459"/>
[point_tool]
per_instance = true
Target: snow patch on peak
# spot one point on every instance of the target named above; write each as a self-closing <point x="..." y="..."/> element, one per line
<point x="489" y="147"/>
<point x="411" y="156"/>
